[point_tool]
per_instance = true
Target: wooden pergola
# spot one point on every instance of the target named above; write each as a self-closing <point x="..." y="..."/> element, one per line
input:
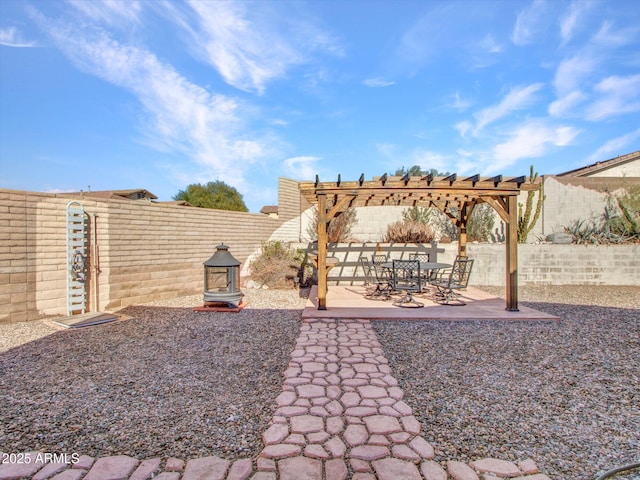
<point x="455" y="197"/>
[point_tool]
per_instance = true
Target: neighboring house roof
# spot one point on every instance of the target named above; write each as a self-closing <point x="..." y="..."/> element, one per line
<point x="182" y="203"/>
<point x="601" y="166"/>
<point x="133" y="194"/>
<point x="269" y="210"/>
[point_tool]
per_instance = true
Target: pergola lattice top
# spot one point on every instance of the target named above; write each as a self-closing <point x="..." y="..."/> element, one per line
<point x="443" y="192"/>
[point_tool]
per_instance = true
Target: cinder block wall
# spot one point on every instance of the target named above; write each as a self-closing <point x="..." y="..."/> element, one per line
<point x="551" y="264"/>
<point x="290" y="202"/>
<point x="538" y="264"/>
<point x="146" y="251"/>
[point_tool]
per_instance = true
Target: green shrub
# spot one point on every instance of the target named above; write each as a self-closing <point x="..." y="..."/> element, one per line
<point x="404" y="231"/>
<point x="418" y="214"/>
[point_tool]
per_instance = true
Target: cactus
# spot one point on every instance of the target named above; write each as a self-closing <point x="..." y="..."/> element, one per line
<point x="498" y="235"/>
<point x="525" y="222"/>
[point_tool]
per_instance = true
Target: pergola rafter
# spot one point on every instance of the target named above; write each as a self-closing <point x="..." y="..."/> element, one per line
<point x="443" y="192"/>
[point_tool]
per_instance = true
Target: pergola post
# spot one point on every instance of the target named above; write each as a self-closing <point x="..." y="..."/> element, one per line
<point x="462" y="240"/>
<point x="465" y="214"/>
<point x="512" y="254"/>
<point x="322" y="252"/>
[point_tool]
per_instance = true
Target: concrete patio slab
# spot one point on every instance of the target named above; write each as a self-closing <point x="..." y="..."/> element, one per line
<point x="350" y="302"/>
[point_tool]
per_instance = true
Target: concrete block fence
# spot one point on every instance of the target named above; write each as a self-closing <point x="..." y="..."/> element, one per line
<point x="145" y="251"/>
<point x="538" y="264"/>
<point x="148" y="251"/>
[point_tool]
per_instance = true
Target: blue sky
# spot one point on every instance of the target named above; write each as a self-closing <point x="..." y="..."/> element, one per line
<point x="117" y="94"/>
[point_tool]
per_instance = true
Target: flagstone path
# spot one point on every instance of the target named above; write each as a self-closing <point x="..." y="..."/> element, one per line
<point x="341" y="416"/>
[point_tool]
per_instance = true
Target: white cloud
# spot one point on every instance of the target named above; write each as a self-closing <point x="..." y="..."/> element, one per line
<point x="563" y="106"/>
<point x="569" y="21"/>
<point x="529" y="22"/>
<point x="11" y="37"/>
<point x="112" y="12"/>
<point x="530" y="140"/>
<point x="378" y="82"/>
<point x="252" y="45"/>
<point x="611" y="36"/>
<point x="572" y="72"/>
<point x="618" y="96"/>
<point x="518" y="98"/>
<point x="428" y="160"/>
<point x="489" y="44"/>
<point x="463" y="127"/>
<point x="180" y="117"/>
<point x="303" y="167"/>
<point x="459" y="103"/>
<point x="614" y="146"/>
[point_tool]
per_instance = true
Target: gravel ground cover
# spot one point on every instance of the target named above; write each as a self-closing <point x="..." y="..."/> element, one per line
<point x="166" y="382"/>
<point x="566" y="394"/>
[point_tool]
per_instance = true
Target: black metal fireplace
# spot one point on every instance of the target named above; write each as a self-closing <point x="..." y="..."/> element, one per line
<point x="222" y="278"/>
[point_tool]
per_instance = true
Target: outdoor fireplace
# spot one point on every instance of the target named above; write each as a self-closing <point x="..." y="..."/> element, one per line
<point x="222" y="279"/>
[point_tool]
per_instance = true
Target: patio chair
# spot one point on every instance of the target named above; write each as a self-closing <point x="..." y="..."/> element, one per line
<point x="427" y="275"/>
<point x="406" y="279"/>
<point x="423" y="257"/>
<point x="457" y="279"/>
<point x="382" y="279"/>
<point x="367" y="272"/>
<point x="441" y="275"/>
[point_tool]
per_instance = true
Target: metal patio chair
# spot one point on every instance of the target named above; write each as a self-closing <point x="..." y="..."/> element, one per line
<point x="457" y="279"/>
<point x="429" y="275"/>
<point x="442" y="274"/>
<point x="367" y="272"/>
<point x="406" y="279"/>
<point x="379" y="278"/>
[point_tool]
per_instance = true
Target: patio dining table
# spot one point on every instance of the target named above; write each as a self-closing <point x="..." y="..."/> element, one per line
<point x="430" y="267"/>
<point x="424" y="266"/>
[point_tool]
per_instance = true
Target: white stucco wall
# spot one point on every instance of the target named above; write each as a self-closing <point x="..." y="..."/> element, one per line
<point x="631" y="169"/>
<point x="565" y="204"/>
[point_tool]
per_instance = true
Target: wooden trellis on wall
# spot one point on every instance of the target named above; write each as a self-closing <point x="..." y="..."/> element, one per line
<point x="449" y="194"/>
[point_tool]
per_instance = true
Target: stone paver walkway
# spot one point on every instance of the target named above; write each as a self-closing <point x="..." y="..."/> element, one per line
<point x="341" y="416"/>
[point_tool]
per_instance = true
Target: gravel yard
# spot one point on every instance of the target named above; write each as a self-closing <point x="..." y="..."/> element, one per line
<point x="167" y="382"/>
<point x="566" y="394"/>
<point x="172" y="382"/>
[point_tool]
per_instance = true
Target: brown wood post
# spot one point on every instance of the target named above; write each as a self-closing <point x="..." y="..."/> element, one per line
<point x="462" y="239"/>
<point x="465" y="214"/>
<point x="322" y="252"/>
<point x="512" y="254"/>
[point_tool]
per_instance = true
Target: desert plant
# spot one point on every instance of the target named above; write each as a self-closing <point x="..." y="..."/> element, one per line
<point x="499" y="234"/>
<point x="525" y="222"/>
<point x="404" y="231"/>
<point x="340" y="226"/>
<point x="277" y="266"/>
<point x="439" y="222"/>
<point x="480" y="223"/>
<point x="583" y="232"/>
<point x="619" y="223"/>
<point x="417" y="214"/>
<point x="622" y="216"/>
